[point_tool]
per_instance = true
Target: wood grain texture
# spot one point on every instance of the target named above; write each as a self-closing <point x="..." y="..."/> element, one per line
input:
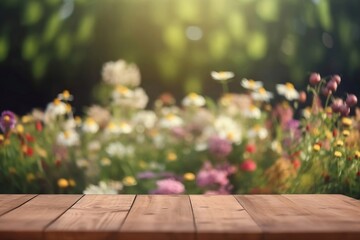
<point x="282" y="218"/>
<point x="10" y="201"/>
<point x="92" y="217"/>
<point x="29" y="220"/>
<point x="159" y="217"/>
<point x="222" y="217"/>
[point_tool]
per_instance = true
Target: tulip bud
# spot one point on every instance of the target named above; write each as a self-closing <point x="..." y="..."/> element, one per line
<point x="314" y="78"/>
<point x="336" y="78"/>
<point x="351" y="100"/>
<point x="332" y="85"/>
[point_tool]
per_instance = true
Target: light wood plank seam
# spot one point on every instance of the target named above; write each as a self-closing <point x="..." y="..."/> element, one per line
<point x="193" y="215"/>
<point x="19" y="205"/>
<point x="127" y="214"/>
<point x="43" y="236"/>
<point x="262" y="233"/>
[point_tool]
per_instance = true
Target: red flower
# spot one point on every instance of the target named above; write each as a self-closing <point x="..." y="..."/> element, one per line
<point x="27" y="150"/>
<point x="29" y="138"/>
<point x="248" y="165"/>
<point x="39" y="126"/>
<point x="358" y="174"/>
<point x="250" y="148"/>
<point x="296" y="163"/>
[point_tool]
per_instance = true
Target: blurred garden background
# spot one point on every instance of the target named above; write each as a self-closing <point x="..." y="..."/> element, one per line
<point x="50" y="45"/>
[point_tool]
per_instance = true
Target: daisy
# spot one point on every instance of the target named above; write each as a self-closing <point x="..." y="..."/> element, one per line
<point x="252" y="112"/>
<point x="68" y="138"/>
<point x="55" y="108"/>
<point x="90" y="126"/>
<point x="288" y="91"/>
<point x="66" y="96"/>
<point x="170" y="121"/>
<point x="251" y="84"/>
<point x="262" y="95"/>
<point x="194" y="100"/>
<point x="258" y="132"/>
<point x="222" y="76"/>
<point x="228" y="129"/>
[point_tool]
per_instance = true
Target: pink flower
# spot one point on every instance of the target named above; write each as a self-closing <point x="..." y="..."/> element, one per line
<point x="169" y="186"/>
<point x="248" y="165"/>
<point x="209" y="176"/>
<point x="219" y="147"/>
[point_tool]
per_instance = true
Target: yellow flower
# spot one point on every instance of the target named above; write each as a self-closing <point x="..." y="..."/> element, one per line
<point x="63" y="183"/>
<point x="68" y="108"/>
<point x="20" y="128"/>
<point x="328" y="110"/>
<point x="339" y="143"/>
<point x="316" y="147"/>
<point x="337" y="154"/>
<point x="171" y="156"/>
<point x="26" y="119"/>
<point x="189" y="176"/>
<point x="30" y="177"/>
<point x="143" y="164"/>
<point x="72" y="182"/>
<point x="78" y="120"/>
<point x="129" y="181"/>
<point x="357" y="154"/>
<point x="346" y="133"/>
<point x="328" y="134"/>
<point x="1" y="138"/>
<point x="346" y="121"/>
<point x="105" y="161"/>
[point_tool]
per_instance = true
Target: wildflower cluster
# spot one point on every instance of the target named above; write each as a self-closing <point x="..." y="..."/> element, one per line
<point x="239" y="144"/>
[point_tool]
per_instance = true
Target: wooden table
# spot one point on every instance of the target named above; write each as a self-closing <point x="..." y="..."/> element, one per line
<point x="179" y="217"/>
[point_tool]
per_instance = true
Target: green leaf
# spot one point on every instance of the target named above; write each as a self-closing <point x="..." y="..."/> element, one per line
<point x="85" y="29"/>
<point x="218" y="44"/>
<point x="4" y="48"/>
<point x="174" y="37"/>
<point x="237" y="26"/>
<point x="51" y="28"/>
<point x="325" y="14"/>
<point x="256" y="46"/>
<point x="268" y="10"/>
<point x="33" y="12"/>
<point x="30" y="47"/>
<point x="39" y="67"/>
<point x="63" y="45"/>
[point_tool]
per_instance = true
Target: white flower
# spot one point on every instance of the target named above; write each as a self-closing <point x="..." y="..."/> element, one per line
<point x="193" y="100"/>
<point x="121" y="128"/>
<point x="119" y="150"/>
<point x="227" y="128"/>
<point x="257" y="132"/>
<point x="112" y="187"/>
<point x="55" y="108"/>
<point x="222" y="76"/>
<point x="82" y="163"/>
<point x="90" y="126"/>
<point x="66" y="96"/>
<point x="306" y="112"/>
<point x="170" y="121"/>
<point x="145" y="118"/>
<point x="261" y="95"/>
<point x="69" y="124"/>
<point x="251" y="84"/>
<point x="68" y="138"/>
<point x="252" y="112"/>
<point x="288" y="91"/>
<point x="125" y="97"/>
<point x="94" y="146"/>
<point x="121" y="73"/>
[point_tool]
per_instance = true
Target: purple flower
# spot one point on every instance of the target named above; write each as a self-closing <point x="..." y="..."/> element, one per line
<point x="7" y="121"/>
<point x="219" y="147"/>
<point x="169" y="186"/>
<point x="146" y="175"/>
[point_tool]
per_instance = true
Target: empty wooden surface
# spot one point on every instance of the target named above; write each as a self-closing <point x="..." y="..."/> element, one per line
<point x="179" y="217"/>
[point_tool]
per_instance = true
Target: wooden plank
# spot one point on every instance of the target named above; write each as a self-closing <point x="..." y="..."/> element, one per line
<point x="9" y="202"/>
<point x="222" y="217"/>
<point x="29" y="220"/>
<point x="282" y="218"/>
<point x="92" y="217"/>
<point x="332" y="213"/>
<point x="159" y="217"/>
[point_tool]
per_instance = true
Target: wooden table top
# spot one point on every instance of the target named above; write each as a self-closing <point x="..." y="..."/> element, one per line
<point x="179" y="217"/>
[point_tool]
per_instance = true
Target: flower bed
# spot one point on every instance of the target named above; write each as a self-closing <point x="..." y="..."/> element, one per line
<point x="242" y="143"/>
